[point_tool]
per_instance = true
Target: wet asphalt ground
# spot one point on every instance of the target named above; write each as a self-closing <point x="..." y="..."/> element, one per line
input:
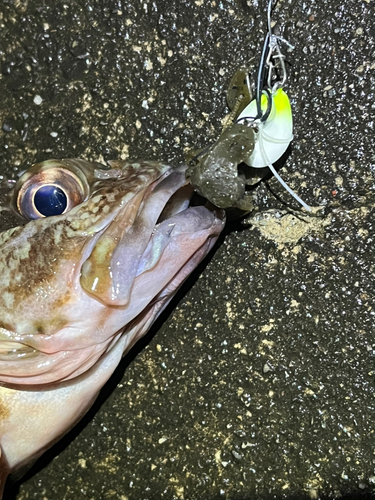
<point x="260" y="383"/>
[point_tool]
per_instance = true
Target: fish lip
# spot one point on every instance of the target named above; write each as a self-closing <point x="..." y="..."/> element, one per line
<point x="165" y="199"/>
<point x="208" y="218"/>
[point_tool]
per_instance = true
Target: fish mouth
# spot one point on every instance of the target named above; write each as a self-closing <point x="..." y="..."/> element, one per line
<point x="152" y="238"/>
<point x="130" y="269"/>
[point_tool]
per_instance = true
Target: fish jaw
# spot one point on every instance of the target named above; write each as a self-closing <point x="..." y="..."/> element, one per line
<point x="52" y="374"/>
<point x="34" y="420"/>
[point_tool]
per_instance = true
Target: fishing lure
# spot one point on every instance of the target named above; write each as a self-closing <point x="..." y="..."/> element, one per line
<point x="257" y="132"/>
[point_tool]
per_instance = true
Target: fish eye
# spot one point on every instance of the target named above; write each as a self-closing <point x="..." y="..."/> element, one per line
<point x="50" y="200"/>
<point x="48" y="192"/>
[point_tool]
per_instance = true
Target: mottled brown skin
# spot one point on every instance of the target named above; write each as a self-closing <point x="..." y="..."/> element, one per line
<point x="77" y="290"/>
<point x="31" y="264"/>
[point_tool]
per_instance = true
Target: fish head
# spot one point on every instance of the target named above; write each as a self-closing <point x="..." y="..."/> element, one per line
<point x="98" y="255"/>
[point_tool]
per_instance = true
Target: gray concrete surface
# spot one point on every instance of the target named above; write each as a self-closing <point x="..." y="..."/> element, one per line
<point x="260" y="384"/>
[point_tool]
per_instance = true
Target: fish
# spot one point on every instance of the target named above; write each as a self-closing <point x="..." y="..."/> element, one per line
<point x="97" y="253"/>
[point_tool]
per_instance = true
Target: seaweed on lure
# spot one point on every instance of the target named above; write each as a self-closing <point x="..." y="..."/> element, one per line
<point x="263" y="125"/>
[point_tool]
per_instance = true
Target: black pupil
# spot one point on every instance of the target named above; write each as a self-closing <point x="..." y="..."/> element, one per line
<point x="50" y="200"/>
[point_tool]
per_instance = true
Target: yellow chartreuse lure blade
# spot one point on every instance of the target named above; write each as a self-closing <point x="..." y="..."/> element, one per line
<point x="275" y="134"/>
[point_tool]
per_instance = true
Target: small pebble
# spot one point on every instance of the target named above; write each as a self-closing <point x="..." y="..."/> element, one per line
<point x="7" y="127"/>
<point x="237" y="455"/>
<point x="38" y="100"/>
<point x="266" y="368"/>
